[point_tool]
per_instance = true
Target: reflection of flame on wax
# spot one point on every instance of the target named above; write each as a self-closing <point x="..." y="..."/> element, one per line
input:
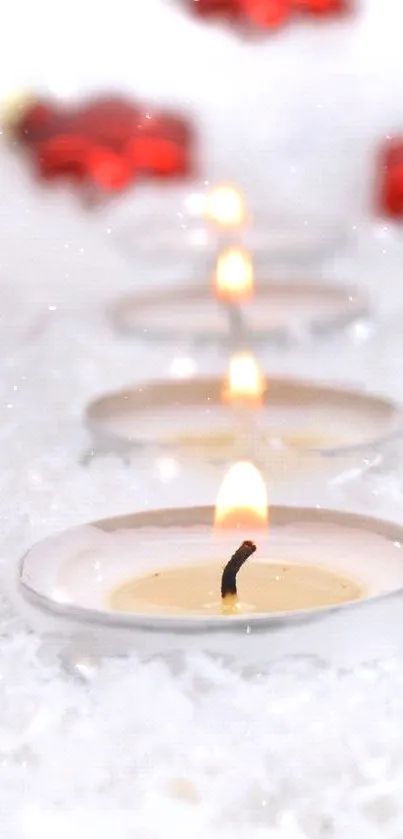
<point x="246" y="384"/>
<point x="234" y="275"/>
<point x="242" y="499"/>
<point x="225" y="206"/>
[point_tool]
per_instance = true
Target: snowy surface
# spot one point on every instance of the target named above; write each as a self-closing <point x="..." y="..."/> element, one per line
<point x="167" y="748"/>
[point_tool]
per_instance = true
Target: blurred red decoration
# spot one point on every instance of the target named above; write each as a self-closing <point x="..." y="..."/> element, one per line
<point x="108" y="121"/>
<point x="229" y="9"/>
<point x="265" y="14"/>
<point x="390" y="183"/>
<point x="63" y="155"/>
<point x="323" y="7"/>
<point x="35" y="121"/>
<point x="109" y="170"/>
<point x="108" y="142"/>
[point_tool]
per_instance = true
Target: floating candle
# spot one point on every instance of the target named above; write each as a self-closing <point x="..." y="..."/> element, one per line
<point x="301" y="429"/>
<point x="70" y="582"/>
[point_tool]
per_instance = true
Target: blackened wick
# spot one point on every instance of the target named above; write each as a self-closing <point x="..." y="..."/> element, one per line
<point x="228" y="580"/>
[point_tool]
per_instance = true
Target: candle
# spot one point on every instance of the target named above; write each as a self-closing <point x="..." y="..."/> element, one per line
<point x="291" y="428"/>
<point x="265" y="586"/>
<point x="319" y="582"/>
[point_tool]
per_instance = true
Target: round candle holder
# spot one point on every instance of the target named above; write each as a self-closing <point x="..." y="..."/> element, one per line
<point x="303" y="427"/>
<point x="65" y="583"/>
<point x="279" y="311"/>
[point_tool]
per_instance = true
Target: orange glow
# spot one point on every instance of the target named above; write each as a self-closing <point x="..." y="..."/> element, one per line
<point x="234" y="275"/>
<point x="246" y="384"/>
<point x="242" y="499"/>
<point x="225" y="206"/>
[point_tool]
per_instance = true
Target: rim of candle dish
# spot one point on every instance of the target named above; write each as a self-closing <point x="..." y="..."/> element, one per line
<point x="166" y="394"/>
<point x="194" y="624"/>
<point x="357" y="306"/>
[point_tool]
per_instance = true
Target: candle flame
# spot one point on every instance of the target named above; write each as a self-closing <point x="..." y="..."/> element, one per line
<point x="246" y="383"/>
<point x="225" y="206"/>
<point x="242" y="499"/>
<point x="234" y="275"/>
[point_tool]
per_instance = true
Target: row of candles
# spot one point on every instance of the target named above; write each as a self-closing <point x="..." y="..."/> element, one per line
<point x="202" y="584"/>
<point x="242" y="506"/>
<point x="182" y="571"/>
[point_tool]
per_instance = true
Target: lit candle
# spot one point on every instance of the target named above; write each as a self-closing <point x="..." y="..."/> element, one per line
<point x="234" y="285"/>
<point x="164" y="579"/>
<point x="293" y="428"/>
<point x="199" y="587"/>
<point x="265" y="586"/>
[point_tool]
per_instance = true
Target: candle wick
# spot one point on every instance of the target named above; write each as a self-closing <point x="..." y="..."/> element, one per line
<point x="228" y="580"/>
